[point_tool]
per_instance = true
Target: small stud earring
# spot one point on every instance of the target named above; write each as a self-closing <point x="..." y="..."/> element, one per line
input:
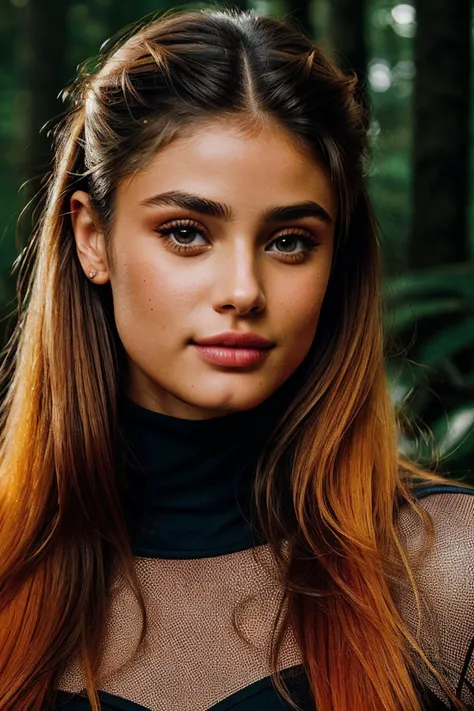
<point x="92" y="274"/>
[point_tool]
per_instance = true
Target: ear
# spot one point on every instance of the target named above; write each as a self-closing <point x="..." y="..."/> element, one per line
<point x="90" y="240"/>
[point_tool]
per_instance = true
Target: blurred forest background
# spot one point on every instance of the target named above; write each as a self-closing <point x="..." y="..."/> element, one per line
<point x="415" y="64"/>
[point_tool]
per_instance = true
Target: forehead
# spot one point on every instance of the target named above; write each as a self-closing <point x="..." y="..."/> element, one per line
<point x="245" y="169"/>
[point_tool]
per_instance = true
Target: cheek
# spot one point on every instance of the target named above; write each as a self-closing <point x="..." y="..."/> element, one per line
<point x="148" y="311"/>
<point x="301" y="308"/>
<point x="147" y="291"/>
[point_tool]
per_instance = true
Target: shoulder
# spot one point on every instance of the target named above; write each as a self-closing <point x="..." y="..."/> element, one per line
<point x="443" y="566"/>
<point x="443" y="621"/>
<point x="451" y="511"/>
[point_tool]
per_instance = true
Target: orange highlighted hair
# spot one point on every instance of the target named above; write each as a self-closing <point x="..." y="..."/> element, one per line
<point x="331" y="481"/>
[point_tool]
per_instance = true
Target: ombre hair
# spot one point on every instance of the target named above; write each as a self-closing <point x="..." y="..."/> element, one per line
<point x="330" y="483"/>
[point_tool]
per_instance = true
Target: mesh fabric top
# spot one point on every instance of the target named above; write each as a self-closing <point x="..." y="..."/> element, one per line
<point x="199" y="561"/>
<point x="193" y="660"/>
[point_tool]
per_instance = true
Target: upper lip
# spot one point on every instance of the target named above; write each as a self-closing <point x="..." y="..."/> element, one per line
<point x="235" y="339"/>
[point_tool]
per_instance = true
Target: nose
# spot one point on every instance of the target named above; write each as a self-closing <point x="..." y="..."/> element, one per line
<point x="239" y="286"/>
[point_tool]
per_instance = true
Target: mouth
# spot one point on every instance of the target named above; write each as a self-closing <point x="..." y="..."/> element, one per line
<point x="233" y="349"/>
<point x="236" y="339"/>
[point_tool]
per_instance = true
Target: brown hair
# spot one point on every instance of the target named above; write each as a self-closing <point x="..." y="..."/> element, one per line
<point x="61" y="521"/>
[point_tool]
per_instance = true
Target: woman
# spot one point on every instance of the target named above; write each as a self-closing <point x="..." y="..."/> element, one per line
<point x="202" y="504"/>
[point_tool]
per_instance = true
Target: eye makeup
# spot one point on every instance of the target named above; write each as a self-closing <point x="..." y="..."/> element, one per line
<point x="188" y="237"/>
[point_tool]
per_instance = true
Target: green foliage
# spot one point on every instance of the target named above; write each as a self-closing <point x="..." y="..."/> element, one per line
<point x="433" y="384"/>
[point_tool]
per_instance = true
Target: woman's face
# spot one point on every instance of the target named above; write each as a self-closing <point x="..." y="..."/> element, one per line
<point x="222" y="233"/>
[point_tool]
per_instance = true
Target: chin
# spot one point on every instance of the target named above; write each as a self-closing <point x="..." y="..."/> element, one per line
<point x="239" y="400"/>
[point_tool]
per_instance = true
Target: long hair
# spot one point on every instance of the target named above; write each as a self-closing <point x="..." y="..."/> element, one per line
<point x="62" y="527"/>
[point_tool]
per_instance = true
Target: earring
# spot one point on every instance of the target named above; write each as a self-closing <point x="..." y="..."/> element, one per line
<point x="92" y="274"/>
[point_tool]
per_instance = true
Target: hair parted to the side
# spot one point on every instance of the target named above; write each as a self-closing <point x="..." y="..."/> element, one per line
<point x="62" y="529"/>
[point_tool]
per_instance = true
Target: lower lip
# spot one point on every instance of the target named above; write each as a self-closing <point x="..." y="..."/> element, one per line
<point x="232" y="357"/>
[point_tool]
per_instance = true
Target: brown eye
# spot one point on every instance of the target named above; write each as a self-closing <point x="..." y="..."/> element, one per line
<point x="295" y="246"/>
<point x="184" y="235"/>
<point x="288" y="243"/>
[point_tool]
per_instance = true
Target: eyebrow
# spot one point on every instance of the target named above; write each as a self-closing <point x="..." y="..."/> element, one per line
<point x="195" y="203"/>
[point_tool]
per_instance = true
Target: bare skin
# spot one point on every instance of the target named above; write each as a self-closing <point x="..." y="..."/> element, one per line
<point x="179" y="275"/>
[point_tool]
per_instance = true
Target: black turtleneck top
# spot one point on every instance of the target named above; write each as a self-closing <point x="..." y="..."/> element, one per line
<point x="189" y="482"/>
<point x="199" y="558"/>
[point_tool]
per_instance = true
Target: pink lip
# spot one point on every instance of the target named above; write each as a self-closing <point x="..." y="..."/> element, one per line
<point x="233" y="349"/>
<point x="229" y="357"/>
<point x="235" y="339"/>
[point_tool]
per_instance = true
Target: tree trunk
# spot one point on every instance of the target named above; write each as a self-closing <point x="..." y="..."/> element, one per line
<point x="45" y="71"/>
<point x="121" y="14"/>
<point x="441" y="133"/>
<point x="239" y="4"/>
<point x="347" y="37"/>
<point x="300" y="10"/>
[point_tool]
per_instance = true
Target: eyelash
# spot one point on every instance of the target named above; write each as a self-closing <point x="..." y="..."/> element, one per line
<point x="166" y="233"/>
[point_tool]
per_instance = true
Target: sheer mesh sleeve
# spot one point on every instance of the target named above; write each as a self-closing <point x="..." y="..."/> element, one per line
<point x="444" y="623"/>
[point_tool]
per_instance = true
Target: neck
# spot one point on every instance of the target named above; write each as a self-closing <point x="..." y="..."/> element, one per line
<point x="189" y="483"/>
